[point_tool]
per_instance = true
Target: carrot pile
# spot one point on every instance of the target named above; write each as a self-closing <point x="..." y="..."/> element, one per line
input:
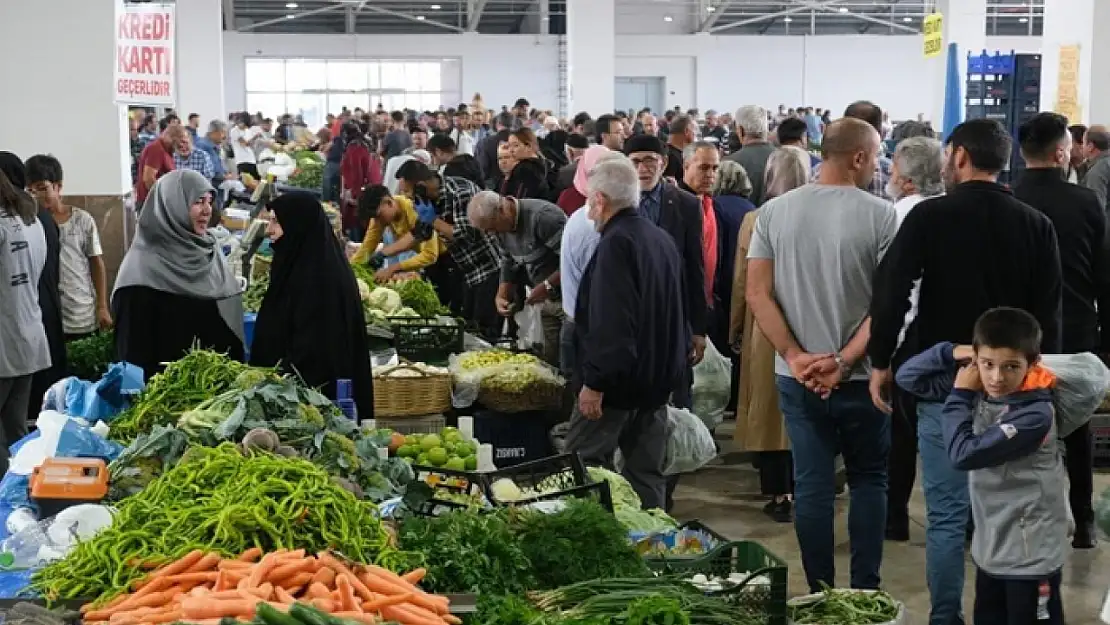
<point x="203" y="588"/>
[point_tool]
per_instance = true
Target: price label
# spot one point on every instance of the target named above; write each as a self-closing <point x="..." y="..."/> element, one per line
<point x="933" y="31"/>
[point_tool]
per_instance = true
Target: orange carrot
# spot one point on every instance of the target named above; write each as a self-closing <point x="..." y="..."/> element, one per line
<point x="289" y="568"/>
<point x="262" y="570"/>
<point x="186" y="578"/>
<point x="386" y="585"/>
<point x="291" y="555"/>
<point x="323" y="603"/>
<point x="316" y="589"/>
<point x="222" y="581"/>
<point x="184" y="564"/>
<point x="324" y="575"/>
<point x="250" y="555"/>
<point x="347" y="601"/>
<point x="414" y="576"/>
<point x="234" y="565"/>
<point x="402" y="614"/>
<point x="451" y="619"/>
<point x="152" y="599"/>
<point x="381" y="586"/>
<point x="206" y="563"/>
<point x="107" y="606"/>
<point x="392" y="577"/>
<point x="382" y="602"/>
<point x="358" y="617"/>
<point x="282" y="596"/>
<point x="207" y="608"/>
<point x="298" y="580"/>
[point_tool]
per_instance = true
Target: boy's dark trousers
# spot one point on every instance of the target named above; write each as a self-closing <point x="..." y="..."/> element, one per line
<point x="1016" y="601"/>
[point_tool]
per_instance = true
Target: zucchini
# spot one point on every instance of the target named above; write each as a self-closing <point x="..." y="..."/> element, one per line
<point x="269" y="615"/>
<point x="308" y="615"/>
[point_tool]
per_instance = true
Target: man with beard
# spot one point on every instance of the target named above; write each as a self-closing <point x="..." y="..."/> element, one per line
<point x="974" y="249"/>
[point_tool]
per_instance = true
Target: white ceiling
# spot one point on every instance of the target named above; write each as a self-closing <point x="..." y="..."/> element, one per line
<point x="724" y="17"/>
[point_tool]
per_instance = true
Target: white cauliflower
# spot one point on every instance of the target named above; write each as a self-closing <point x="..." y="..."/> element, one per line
<point x="385" y="300"/>
<point x="363" y="290"/>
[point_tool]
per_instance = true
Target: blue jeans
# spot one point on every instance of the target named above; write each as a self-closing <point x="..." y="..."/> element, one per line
<point x="946" y="508"/>
<point x="848" y="424"/>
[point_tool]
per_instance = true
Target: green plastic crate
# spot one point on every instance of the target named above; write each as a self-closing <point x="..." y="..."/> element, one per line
<point x="737" y="557"/>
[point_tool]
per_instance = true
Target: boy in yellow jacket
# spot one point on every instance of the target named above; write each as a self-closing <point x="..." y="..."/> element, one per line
<point x="397" y="213"/>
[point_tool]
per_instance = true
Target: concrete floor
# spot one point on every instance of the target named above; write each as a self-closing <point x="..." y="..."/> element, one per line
<point x="725" y="496"/>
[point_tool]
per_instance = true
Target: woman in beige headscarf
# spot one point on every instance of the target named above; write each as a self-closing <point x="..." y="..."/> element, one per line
<point x="759" y="423"/>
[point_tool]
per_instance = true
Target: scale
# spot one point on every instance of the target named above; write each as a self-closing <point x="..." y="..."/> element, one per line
<point x="59" y="483"/>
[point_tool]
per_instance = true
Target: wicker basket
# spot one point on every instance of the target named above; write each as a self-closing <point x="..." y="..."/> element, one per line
<point x="535" y="397"/>
<point x="427" y="394"/>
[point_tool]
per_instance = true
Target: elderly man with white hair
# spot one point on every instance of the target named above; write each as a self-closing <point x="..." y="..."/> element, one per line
<point x="631" y="332"/>
<point x="915" y="176"/>
<point x="751" y="127"/>
<point x="530" y="232"/>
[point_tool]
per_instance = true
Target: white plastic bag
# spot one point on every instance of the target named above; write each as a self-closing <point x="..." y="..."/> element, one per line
<point x="1081" y="384"/>
<point x="530" y="322"/>
<point x="690" y="444"/>
<point x="712" y="386"/>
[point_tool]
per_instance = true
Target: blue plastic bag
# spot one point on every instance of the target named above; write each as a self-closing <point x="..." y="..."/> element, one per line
<point x="96" y="401"/>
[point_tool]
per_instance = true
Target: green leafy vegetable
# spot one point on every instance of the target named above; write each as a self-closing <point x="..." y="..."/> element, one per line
<point x="845" y="607"/>
<point x="420" y="296"/>
<point x="90" y="357"/>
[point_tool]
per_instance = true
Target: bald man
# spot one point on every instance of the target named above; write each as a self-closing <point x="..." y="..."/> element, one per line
<point x="156" y="160"/>
<point x="810" y="262"/>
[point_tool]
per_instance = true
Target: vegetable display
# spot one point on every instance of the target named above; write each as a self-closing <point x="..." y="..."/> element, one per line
<point x="273" y="588"/>
<point x="636" y="601"/>
<point x="252" y="297"/>
<point x="844" y="607"/>
<point x="194" y="378"/>
<point x="89" y="358"/>
<point x="307" y="175"/>
<point x="217" y="499"/>
<point x="627" y="505"/>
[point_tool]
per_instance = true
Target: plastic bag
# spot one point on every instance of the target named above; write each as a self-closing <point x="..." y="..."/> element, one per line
<point x="530" y="322"/>
<point x="95" y="401"/>
<point x="690" y="444"/>
<point x="712" y="386"/>
<point x="469" y="379"/>
<point x="1081" y="384"/>
<point x="39" y="542"/>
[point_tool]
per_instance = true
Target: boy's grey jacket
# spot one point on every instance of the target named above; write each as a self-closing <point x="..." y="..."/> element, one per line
<point x="1010" y="448"/>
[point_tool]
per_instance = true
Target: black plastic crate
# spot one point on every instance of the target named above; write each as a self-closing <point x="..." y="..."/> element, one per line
<point x="517" y="438"/>
<point x="644" y="540"/>
<point x="429" y="339"/>
<point x="564" y="476"/>
<point x="436" y="490"/>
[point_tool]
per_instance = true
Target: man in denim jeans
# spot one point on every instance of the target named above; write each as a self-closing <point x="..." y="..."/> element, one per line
<point x="974" y="249"/>
<point x="812" y="255"/>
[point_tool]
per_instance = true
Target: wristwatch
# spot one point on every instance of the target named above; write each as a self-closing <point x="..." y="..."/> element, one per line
<point x="845" y="368"/>
<point x="547" y="285"/>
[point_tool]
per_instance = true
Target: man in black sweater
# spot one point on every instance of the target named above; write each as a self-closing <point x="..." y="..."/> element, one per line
<point x="1081" y="234"/>
<point x="486" y="152"/>
<point x="974" y="249"/>
<point x="631" y="335"/>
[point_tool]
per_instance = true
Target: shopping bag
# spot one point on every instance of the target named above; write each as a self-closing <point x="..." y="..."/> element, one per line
<point x="712" y="386"/>
<point x="690" y="444"/>
<point x="1081" y="384"/>
<point x="530" y="323"/>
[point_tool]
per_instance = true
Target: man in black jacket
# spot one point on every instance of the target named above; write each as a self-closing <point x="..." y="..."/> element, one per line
<point x="974" y="249"/>
<point x="1081" y="233"/>
<point x="679" y="213"/>
<point x="631" y="335"/>
<point x="486" y="152"/>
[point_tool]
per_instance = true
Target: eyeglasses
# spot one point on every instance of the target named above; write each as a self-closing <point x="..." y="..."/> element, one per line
<point x="646" y="161"/>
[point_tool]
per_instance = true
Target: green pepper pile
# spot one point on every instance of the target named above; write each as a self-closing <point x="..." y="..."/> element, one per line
<point x="217" y="499"/>
<point x="846" y="607"/>
<point x="199" y="375"/>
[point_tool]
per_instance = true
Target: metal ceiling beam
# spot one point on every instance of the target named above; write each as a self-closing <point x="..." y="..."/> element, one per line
<point x="278" y="20"/>
<point x="809" y="4"/>
<point x="792" y="10"/>
<point x="411" y="18"/>
<point x="229" y="14"/>
<point x="476" y="7"/>
<point x="718" y="9"/>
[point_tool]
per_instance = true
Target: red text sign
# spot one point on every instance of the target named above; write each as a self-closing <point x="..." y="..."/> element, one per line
<point x="145" y="63"/>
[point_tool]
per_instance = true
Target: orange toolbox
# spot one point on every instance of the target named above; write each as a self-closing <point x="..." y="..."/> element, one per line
<point x="63" y="482"/>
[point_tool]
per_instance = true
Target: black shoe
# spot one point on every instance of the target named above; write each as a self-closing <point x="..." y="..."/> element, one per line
<point x="898" y="530"/>
<point x="780" y="511"/>
<point x="1084" y="536"/>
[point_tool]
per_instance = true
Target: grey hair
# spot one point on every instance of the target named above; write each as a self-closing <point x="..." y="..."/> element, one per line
<point x="753" y="119"/>
<point x="689" y="151"/>
<point x="787" y="169"/>
<point x="732" y="179"/>
<point x="920" y="160"/>
<point x="484" y="206"/>
<point x="615" y="178"/>
<point x="217" y="126"/>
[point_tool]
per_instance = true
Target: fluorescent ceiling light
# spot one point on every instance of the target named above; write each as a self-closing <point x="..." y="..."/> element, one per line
<point x="843" y="9"/>
<point x="436" y="7"/>
<point x="290" y="16"/>
<point x="420" y="17"/>
<point x="710" y="9"/>
<point x="291" y="5"/>
<point x="907" y="19"/>
<point x="788" y="19"/>
<point x="668" y="18"/>
<point x="1024" y="20"/>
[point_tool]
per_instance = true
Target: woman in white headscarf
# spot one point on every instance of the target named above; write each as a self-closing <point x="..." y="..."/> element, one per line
<point x="174" y="287"/>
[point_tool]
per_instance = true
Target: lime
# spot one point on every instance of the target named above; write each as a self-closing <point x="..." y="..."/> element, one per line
<point x="430" y="442"/>
<point x="451" y="448"/>
<point x="422" y="460"/>
<point x="453" y="436"/>
<point x="408" y="451"/>
<point x="412" y="439"/>
<point x="437" y="456"/>
<point x="470" y="463"/>
<point x="466" y="448"/>
<point x="407" y="459"/>
<point x="455" y="464"/>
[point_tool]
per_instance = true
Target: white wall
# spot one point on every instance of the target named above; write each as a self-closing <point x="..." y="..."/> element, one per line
<point x="702" y="70"/>
<point x="500" y="67"/>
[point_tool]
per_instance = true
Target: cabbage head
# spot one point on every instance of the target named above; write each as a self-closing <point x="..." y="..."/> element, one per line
<point x="385" y="300"/>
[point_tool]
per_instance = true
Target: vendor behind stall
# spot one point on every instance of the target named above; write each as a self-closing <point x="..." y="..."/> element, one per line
<point x="174" y="289"/>
<point x="311" y="320"/>
<point x="380" y="211"/>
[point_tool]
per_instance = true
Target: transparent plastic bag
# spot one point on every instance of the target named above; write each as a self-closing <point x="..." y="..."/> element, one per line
<point x="469" y="379"/>
<point x="38" y="542"/>
<point x="690" y="444"/>
<point x="530" y="322"/>
<point x="1081" y="384"/>
<point x="712" y="386"/>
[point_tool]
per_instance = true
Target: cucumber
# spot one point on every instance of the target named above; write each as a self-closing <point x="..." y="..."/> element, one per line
<point x="308" y="615"/>
<point x="269" y="615"/>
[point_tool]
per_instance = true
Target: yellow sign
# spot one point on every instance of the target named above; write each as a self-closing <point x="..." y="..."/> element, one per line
<point x="933" y="27"/>
<point x="1067" y="84"/>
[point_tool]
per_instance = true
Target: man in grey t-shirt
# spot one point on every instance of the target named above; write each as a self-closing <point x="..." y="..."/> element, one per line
<point x="812" y="255"/>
